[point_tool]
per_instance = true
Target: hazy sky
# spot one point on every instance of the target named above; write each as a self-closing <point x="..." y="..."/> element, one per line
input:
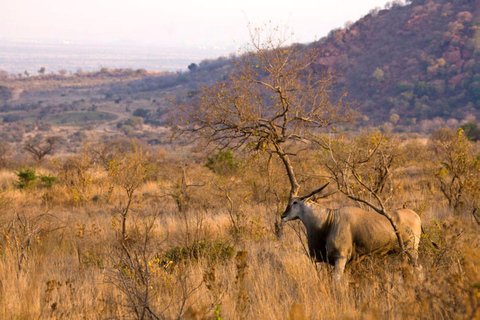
<point x="173" y="22"/>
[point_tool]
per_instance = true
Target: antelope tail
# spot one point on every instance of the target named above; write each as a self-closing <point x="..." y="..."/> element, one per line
<point x="430" y="240"/>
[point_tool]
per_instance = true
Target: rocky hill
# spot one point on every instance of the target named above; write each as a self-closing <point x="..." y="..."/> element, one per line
<point x="414" y="61"/>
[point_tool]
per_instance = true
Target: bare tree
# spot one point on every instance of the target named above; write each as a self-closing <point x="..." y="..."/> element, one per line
<point x="363" y="169"/>
<point x="277" y="95"/>
<point x="129" y="171"/>
<point x="38" y="149"/>
<point x="76" y="174"/>
<point x="133" y="274"/>
<point x="180" y="191"/>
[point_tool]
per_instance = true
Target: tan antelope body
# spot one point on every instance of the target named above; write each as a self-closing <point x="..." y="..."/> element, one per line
<point x="335" y="236"/>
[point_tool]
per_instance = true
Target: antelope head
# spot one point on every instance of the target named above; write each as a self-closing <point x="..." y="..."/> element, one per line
<point x="296" y="206"/>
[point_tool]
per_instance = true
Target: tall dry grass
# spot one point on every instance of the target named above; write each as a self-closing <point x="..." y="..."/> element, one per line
<point x="62" y="257"/>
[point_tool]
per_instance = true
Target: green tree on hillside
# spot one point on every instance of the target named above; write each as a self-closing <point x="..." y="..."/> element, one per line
<point x="472" y="131"/>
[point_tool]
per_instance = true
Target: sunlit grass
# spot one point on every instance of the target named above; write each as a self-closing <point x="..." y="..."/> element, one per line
<point x="62" y="257"/>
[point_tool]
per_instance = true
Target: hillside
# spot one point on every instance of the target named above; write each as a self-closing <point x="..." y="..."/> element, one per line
<point x="404" y="64"/>
<point x="418" y="61"/>
<point x="412" y="67"/>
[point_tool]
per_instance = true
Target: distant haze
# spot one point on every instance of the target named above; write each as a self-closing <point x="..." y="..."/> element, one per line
<point x="152" y="34"/>
<point x="174" y="22"/>
<point x="17" y="57"/>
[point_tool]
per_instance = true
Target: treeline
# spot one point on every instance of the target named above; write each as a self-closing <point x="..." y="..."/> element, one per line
<point x="62" y="73"/>
<point x="206" y="72"/>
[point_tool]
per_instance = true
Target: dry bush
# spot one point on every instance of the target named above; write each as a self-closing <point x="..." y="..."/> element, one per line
<point x="129" y="171"/>
<point x="76" y="174"/>
<point x="455" y="167"/>
<point x="7" y="179"/>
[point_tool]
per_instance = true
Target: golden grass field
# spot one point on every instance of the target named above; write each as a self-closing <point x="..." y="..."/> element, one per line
<point x="202" y="245"/>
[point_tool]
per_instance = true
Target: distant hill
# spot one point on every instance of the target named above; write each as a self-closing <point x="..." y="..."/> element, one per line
<point x="404" y="64"/>
<point x="416" y="61"/>
<point x="414" y="65"/>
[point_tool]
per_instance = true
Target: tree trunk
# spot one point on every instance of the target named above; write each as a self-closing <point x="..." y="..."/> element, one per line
<point x="124" y="215"/>
<point x="294" y="186"/>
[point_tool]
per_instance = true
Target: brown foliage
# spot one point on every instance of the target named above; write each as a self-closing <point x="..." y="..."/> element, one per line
<point x="275" y="96"/>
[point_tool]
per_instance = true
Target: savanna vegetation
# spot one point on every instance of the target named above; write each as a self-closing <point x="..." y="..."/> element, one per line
<point x="122" y="230"/>
<point x="97" y="225"/>
<point x="107" y="213"/>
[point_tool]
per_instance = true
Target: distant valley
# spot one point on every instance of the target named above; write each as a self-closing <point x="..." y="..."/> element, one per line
<point x="19" y="56"/>
<point x="413" y="67"/>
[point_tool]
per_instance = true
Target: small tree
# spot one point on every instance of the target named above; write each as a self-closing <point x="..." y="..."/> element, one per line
<point x="192" y="67"/>
<point x="27" y="178"/>
<point x="143" y="113"/>
<point x="457" y="167"/>
<point x="38" y="149"/>
<point x="129" y="171"/>
<point x="276" y="95"/>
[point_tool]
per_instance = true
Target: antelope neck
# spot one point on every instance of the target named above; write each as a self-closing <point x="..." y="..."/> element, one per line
<point x="319" y="219"/>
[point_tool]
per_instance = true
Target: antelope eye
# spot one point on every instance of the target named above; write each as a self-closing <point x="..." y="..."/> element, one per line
<point x="295" y="202"/>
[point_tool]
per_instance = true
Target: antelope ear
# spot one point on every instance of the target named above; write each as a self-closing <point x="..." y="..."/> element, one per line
<point x="314" y="192"/>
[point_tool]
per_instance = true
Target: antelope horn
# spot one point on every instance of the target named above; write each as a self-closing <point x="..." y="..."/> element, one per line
<point x="314" y="191"/>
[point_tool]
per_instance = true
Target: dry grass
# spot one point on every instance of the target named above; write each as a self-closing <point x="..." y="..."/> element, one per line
<point x="62" y="258"/>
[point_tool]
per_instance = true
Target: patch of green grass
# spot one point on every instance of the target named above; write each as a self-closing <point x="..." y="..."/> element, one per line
<point x="79" y="118"/>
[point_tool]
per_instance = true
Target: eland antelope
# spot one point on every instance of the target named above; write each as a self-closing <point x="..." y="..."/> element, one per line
<point x="335" y="236"/>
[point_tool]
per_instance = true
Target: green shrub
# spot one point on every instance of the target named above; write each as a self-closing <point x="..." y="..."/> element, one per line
<point x="26" y="178"/>
<point x="471" y="131"/>
<point x="222" y="163"/>
<point x="47" y="180"/>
